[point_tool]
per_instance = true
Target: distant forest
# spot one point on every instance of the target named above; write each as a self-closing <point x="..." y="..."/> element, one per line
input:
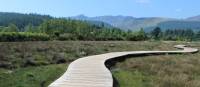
<point x="34" y="27"/>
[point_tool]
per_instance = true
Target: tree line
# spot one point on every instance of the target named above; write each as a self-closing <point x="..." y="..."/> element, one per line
<point x="174" y="34"/>
<point x="21" y="20"/>
<point x="68" y="29"/>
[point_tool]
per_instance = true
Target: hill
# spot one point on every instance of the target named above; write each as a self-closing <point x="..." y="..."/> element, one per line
<point x="21" y="20"/>
<point x="177" y="24"/>
<point x="194" y="18"/>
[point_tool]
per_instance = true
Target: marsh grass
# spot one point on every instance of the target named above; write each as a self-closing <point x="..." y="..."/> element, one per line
<point x="31" y="76"/>
<point x="180" y="70"/>
<point x="37" y="64"/>
<point x="22" y="54"/>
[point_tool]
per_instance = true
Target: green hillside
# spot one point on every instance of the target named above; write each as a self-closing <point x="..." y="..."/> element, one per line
<point x="21" y="20"/>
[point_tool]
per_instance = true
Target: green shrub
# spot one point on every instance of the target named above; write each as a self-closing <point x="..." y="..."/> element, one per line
<point x="22" y="36"/>
<point x="67" y="36"/>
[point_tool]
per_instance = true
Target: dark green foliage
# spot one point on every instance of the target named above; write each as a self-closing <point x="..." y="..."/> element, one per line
<point x="32" y="29"/>
<point x="179" y="35"/>
<point x="174" y="34"/>
<point x="63" y="29"/>
<point x="197" y="36"/>
<point x="180" y="24"/>
<point x="136" y="36"/>
<point x="21" y="20"/>
<point x="22" y="36"/>
<point x="156" y="33"/>
<point x="11" y="28"/>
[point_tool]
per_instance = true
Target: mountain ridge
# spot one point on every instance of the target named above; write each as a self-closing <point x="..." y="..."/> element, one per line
<point x="194" y="18"/>
<point x="133" y="23"/>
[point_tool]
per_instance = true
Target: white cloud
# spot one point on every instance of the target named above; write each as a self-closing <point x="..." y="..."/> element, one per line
<point x="143" y="1"/>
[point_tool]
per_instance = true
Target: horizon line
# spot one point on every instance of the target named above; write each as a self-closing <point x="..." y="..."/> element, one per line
<point x="95" y="16"/>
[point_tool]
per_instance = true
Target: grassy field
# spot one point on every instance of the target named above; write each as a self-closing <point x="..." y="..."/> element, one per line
<point x="180" y="70"/>
<point x="36" y="64"/>
<point x="31" y="76"/>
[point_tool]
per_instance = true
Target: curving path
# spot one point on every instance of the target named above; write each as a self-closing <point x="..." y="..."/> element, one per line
<point x="91" y="71"/>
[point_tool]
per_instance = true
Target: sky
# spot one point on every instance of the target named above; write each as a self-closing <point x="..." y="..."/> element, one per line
<point x="135" y="8"/>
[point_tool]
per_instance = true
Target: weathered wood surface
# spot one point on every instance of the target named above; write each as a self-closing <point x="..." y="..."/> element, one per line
<point x="91" y="71"/>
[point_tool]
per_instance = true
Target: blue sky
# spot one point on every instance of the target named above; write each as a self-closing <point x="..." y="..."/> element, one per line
<point x="135" y="8"/>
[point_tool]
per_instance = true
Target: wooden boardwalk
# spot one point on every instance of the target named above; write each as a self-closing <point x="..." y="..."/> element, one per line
<point x="91" y="71"/>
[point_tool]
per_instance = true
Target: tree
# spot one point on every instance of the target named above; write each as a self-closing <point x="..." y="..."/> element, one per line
<point x="189" y="34"/>
<point x="29" y="28"/>
<point x="1" y="28"/>
<point x="179" y="34"/>
<point x="142" y="35"/>
<point x="21" y="20"/>
<point x="156" y="33"/>
<point x="11" y="28"/>
<point x="136" y="35"/>
<point x="197" y="36"/>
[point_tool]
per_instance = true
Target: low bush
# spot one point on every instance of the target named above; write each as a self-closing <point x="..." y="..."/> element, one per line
<point x="66" y="36"/>
<point x="22" y="36"/>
